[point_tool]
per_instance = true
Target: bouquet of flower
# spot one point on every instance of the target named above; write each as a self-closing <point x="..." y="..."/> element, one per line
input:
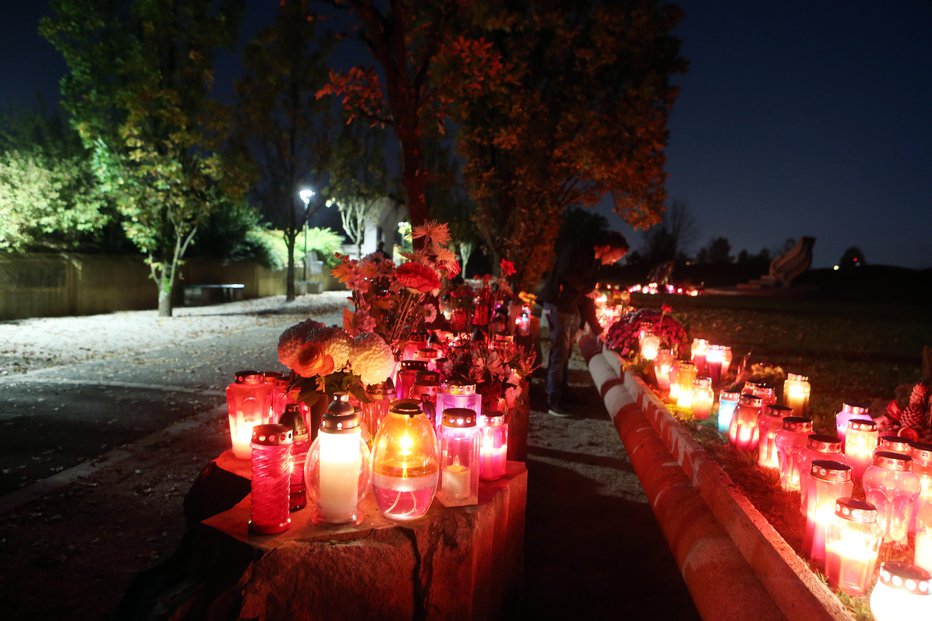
<point x="624" y="335"/>
<point x="395" y="301"/>
<point x="497" y="371"/>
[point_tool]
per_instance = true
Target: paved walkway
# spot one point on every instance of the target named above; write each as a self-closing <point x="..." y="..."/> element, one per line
<point x="98" y="452"/>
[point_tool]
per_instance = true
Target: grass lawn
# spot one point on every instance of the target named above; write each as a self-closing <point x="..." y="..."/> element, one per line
<point x="852" y="352"/>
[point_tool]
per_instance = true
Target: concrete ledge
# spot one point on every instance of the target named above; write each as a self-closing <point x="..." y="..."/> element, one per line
<point x="716" y="535"/>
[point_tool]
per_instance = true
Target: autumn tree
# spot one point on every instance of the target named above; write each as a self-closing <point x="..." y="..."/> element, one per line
<point x="281" y="125"/>
<point x="359" y="181"/>
<point x="407" y="39"/>
<point x="578" y="112"/>
<point x="138" y="92"/>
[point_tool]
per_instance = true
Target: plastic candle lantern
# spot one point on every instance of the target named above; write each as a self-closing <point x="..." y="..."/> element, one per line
<point x="271" y="479"/>
<point x="337" y="469"/>
<point x="903" y="592"/>
<point x="769" y="423"/>
<point x="429" y="356"/>
<point x="830" y="481"/>
<point x="893" y="489"/>
<point x="279" y="385"/>
<point x="743" y="432"/>
<point x="894" y="444"/>
<point x="788" y="444"/>
<point x="374" y="410"/>
<point x="848" y="412"/>
<point x="674" y="383"/>
<point x="650" y="346"/>
<point x="922" y="467"/>
<point x="685" y="378"/>
<point x="458" y="395"/>
<point x="851" y="546"/>
<point x="404" y="462"/>
<point x="663" y="363"/>
<point x="923" y="556"/>
<point x="714" y="357"/>
<point x="860" y="440"/>
<point x="823" y="447"/>
<point x="762" y="390"/>
<point x="523" y="323"/>
<point x="493" y="446"/>
<point x="407" y="376"/>
<point x="300" y="444"/>
<point x="727" y="402"/>
<point x="697" y="352"/>
<point x="726" y="359"/>
<point x="703" y="398"/>
<point x="249" y="403"/>
<point x="796" y="393"/>
<point x="459" y="459"/>
<point x="426" y="388"/>
<point x="417" y="341"/>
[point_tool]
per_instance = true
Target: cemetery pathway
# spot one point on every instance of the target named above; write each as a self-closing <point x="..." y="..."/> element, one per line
<point x="106" y="421"/>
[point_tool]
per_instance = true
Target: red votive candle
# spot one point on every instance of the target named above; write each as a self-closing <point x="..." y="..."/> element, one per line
<point x="271" y="479"/>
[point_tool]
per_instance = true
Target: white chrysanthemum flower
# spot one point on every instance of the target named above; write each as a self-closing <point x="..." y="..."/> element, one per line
<point x="334" y="342"/>
<point x="372" y="358"/>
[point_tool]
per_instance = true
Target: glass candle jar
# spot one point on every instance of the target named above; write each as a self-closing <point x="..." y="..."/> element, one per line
<point x="271" y="479"/>
<point x="903" y="591"/>
<point x="426" y="389"/>
<point x="769" y="422"/>
<point x="300" y="444"/>
<point x="726" y="359"/>
<point x="459" y="459"/>
<point x="922" y="468"/>
<point x="743" y="432"/>
<point x="249" y="403"/>
<point x="458" y="395"/>
<point x="407" y="376"/>
<point x="493" y="446"/>
<point x="375" y="408"/>
<point x="405" y="463"/>
<point x="848" y="412"/>
<point x="650" y="345"/>
<point x="893" y="489"/>
<point x="860" y="440"/>
<point x="337" y="469"/>
<point x="727" y="402"/>
<point x="663" y="363"/>
<point x="894" y="444"/>
<point x="523" y="323"/>
<point x="796" y="393"/>
<point x="703" y="398"/>
<point x="923" y="555"/>
<point x="713" y="358"/>
<point x="685" y="378"/>
<point x="851" y="546"/>
<point x="765" y="391"/>
<point x="697" y="354"/>
<point x="429" y="356"/>
<point x="830" y="481"/>
<point x="279" y="384"/>
<point x="789" y="443"/>
<point x="674" y="392"/>
<point x="818" y="446"/>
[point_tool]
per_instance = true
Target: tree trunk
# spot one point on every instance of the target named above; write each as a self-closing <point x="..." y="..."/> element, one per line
<point x="289" y="277"/>
<point x="165" y="296"/>
<point x="413" y="177"/>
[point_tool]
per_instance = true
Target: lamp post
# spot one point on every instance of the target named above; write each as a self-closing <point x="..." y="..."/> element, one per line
<point x="305" y="194"/>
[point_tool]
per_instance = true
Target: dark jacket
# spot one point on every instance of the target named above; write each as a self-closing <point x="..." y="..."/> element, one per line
<point x="572" y="277"/>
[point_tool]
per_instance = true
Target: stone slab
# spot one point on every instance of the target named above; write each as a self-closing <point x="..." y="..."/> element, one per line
<point x="454" y="563"/>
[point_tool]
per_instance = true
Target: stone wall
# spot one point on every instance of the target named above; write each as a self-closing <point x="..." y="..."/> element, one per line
<point x="49" y="285"/>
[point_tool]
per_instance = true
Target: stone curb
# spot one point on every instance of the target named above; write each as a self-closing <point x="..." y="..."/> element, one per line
<point x="705" y="518"/>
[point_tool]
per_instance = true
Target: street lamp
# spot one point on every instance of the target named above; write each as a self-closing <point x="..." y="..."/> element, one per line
<point x="305" y="194"/>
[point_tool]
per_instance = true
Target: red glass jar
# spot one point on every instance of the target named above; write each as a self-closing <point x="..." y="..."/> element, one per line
<point x="249" y="403"/>
<point x="271" y="479"/>
<point x="493" y="446"/>
<point x="789" y="443"/>
<point x="769" y="422"/>
<point x="459" y="458"/>
<point x="743" y="432"/>
<point x="818" y="446"/>
<point x="830" y="481"/>
<point x="893" y="489"/>
<point x="426" y="389"/>
<point x="407" y="376"/>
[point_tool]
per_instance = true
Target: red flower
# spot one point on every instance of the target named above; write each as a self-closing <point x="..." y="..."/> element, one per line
<point x="665" y="309"/>
<point x="417" y="277"/>
<point x="508" y="268"/>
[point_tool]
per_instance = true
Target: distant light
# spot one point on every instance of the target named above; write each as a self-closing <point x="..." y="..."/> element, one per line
<point x="306" y="194"/>
<point x="855" y="259"/>
<point x="835" y="267"/>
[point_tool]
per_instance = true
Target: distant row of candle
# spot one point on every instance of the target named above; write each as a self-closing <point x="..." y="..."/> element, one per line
<point x="412" y="461"/>
<point x="843" y="533"/>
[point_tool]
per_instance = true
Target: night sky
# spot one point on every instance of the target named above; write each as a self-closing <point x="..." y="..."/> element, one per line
<point x="805" y="117"/>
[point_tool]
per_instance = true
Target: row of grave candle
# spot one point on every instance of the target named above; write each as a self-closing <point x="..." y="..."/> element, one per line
<point x="896" y="478"/>
<point x="410" y="463"/>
